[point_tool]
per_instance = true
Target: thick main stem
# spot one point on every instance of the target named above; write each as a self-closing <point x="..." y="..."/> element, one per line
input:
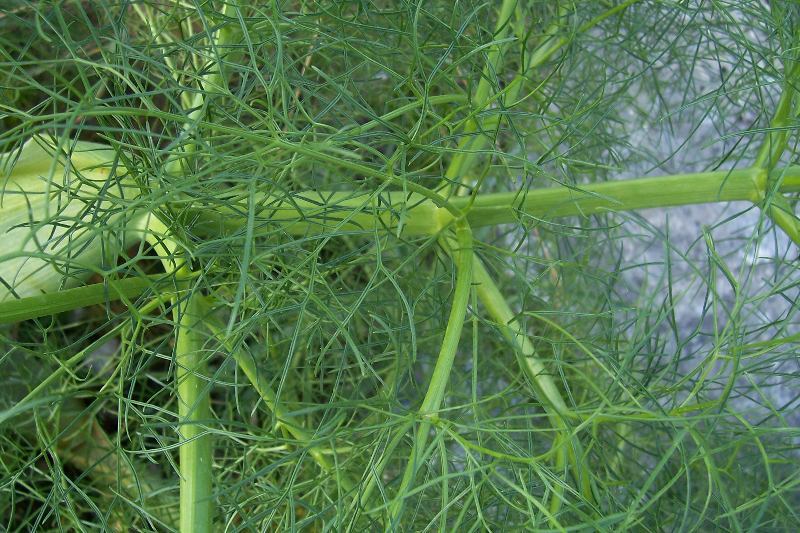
<point x="194" y="404"/>
<point x="196" y="451"/>
<point x="414" y="214"/>
<point x="193" y="410"/>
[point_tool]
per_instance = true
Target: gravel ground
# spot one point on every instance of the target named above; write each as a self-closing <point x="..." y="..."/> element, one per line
<point x="731" y="226"/>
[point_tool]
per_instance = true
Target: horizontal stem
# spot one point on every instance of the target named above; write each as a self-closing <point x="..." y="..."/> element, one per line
<point x="104" y="292"/>
<point x="623" y="195"/>
<point x="313" y="212"/>
<point x="413" y="214"/>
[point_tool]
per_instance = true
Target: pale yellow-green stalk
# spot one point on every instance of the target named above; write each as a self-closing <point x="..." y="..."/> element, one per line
<point x="58" y="201"/>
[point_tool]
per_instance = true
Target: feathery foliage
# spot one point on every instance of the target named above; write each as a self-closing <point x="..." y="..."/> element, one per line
<point x="376" y="265"/>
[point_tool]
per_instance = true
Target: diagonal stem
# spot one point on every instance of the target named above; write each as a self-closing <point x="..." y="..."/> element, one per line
<point x="432" y="401"/>
<point x="777" y="206"/>
<point x="540" y="378"/>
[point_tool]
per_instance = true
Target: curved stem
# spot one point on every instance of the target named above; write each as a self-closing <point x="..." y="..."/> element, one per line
<point x="776" y="206"/>
<point x="194" y="406"/>
<point x="444" y="364"/>
<point x="778" y="137"/>
<point x="247" y="365"/>
<point x="780" y="211"/>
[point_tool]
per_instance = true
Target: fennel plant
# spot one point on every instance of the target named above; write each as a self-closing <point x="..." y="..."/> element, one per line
<point x="383" y="265"/>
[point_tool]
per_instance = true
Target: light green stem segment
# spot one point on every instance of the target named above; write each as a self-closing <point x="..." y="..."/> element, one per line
<point x="213" y="81"/>
<point x="194" y="410"/>
<point x="413" y="214"/>
<point x="542" y="382"/>
<point x="248" y="365"/>
<point x="444" y="364"/>
<point x="264" y="390"/>
<point x="626" y="195"/>
<point x="194" y="406"/>
<point x="774" y="145"/>
<point x="505" y="319"/>
<point x="781" y="212"/>
<point x="193" y="395"/>
<point x="110" y="290"/>
<point x="777" y="206"/>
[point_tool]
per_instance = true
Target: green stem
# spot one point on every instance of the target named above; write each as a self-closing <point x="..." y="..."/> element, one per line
<point x="355" y="130"/>
<point x="194" y="410"/>
<point x="498" y="309"/>
<point x="318" y="153"/>
<point x="552" y="44"/>
<point x="780" y="211"/>
<point x="194" y="405"/>
<point x="323" y="212"/>
<point x="774" y="145"/>
<point x="549" y="45"/>
<point x="444" y="365"/>
<point x="540" y="378"/>
<point x="624" y="195"/>
<point x="776" y="206"/>
<point x="211" y="81"/>
<point x="471" y="143"/>
<point x="196" y="453"/>
<point x="105" y="292"/>
<point x="304" y="437"/>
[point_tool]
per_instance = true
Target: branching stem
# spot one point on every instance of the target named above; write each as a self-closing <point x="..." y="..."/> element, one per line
<point x="324" y="212"/>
